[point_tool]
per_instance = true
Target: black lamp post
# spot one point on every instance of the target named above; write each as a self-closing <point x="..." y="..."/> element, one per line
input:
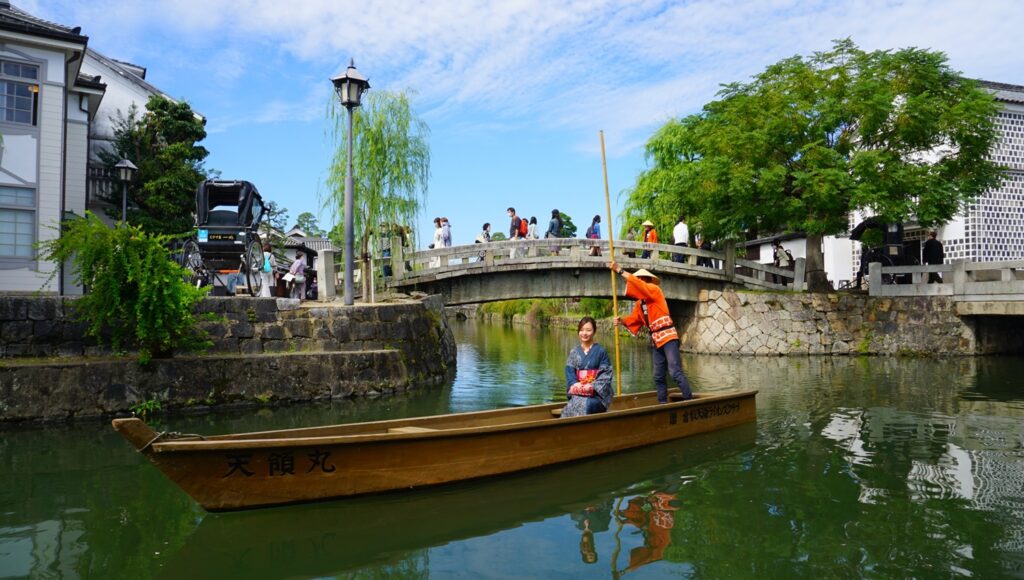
<point x="125" y="173"/>
<point x="350" y="87"/>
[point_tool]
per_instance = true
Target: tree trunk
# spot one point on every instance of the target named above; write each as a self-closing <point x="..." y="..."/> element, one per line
<point x="817" y="280"/>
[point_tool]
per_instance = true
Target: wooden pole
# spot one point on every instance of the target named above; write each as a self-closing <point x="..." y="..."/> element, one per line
<point x="611" y="251"/>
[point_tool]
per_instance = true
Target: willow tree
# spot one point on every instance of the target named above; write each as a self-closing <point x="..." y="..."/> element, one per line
<point x="390" y="165"/>
<point x="809" y="140"/>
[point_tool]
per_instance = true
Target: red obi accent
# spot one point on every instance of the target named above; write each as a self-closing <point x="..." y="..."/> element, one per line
<point x="586" y="376"/>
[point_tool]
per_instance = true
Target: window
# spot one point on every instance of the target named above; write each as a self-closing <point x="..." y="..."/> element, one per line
<point x="18" y="100"/>
<point x="17" y="222"/>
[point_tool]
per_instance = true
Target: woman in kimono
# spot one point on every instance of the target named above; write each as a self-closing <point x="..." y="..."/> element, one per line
<point x="588" y="374"/>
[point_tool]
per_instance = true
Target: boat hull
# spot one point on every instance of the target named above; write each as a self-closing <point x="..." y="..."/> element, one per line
<point x="301" y="465"/>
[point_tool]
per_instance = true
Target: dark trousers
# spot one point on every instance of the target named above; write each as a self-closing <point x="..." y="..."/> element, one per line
<point x="934" y="278"/>
<point x="667" y="358"/>
<point x="680" y="258"/>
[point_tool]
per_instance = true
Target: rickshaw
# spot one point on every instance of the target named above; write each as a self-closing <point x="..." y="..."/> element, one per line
<point x="227" y="242"/>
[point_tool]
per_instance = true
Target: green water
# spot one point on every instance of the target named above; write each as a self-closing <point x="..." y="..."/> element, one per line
<point x="863" y="467"/>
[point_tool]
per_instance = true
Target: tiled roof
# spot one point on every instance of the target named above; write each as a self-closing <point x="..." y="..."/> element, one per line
<point x="1004" y="92"/>
<point x="312" y="243"/>
<point x="17" y="20"/>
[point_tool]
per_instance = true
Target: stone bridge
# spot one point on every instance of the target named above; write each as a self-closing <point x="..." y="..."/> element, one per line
<point x="566" y="268"/>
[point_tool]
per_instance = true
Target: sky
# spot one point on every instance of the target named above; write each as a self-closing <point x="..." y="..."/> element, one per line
<point x="515" y="92"/>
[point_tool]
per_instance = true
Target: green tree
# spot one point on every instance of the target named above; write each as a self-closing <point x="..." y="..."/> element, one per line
<point x="277" y="219"/>
<point x="568" y="228"/>
<point x="307" y="222"/>
<point x="810" y="140"/>
<point x="163" y="144"/>
<point x="136" y="293"/>
<point x="391" y="163"/>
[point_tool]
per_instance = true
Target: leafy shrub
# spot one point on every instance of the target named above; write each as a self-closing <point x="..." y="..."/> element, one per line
<point x="135" y="294"/>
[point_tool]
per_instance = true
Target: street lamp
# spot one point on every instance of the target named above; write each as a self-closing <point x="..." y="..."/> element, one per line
<point x="350" y="87"/>
<point x="125" y="173"/>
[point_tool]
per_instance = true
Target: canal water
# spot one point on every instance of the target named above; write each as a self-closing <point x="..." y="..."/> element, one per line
<point x="856" y="467"/>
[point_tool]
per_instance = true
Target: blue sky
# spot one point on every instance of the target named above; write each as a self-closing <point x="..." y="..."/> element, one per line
<point x="514" y="91"/>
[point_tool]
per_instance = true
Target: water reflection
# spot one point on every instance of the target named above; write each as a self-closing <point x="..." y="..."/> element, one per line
<point x="336" y="537"/>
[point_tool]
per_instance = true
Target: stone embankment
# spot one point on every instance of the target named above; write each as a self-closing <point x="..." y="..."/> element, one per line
<point x="264" y="351"/>
<point x="779" y="323"/>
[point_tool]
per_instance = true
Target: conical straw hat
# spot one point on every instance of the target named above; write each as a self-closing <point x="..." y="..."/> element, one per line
<point x="642" y="273"/>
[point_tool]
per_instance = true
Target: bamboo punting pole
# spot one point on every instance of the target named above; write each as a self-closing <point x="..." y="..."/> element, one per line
<point x="611" y="250"/>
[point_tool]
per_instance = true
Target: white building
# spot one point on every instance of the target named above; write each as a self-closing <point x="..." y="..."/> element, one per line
<point x="44" y="120"/>
<point x="60" y="106"/>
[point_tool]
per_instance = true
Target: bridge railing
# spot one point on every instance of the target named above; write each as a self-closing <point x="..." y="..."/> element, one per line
<point x="990" y="281"/>
<point x="658" y="258"/>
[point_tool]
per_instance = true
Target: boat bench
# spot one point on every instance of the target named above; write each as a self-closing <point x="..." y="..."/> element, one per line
<point x="410" y="429"/>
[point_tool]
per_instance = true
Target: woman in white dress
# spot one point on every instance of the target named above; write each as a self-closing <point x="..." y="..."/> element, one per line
<point x="438" y="242"/>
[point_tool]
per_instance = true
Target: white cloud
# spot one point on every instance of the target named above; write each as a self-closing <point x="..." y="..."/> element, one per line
<point x="579" y="63"/>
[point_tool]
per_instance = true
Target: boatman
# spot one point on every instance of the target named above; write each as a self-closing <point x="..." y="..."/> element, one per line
<point x="651" y="311"/>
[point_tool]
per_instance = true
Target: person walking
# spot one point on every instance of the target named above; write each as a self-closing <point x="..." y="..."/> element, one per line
<point x="782" y="259"/>
<point x="298" y="274"/>
<point x="268" y="272"/>
<point x="650" y="237"/>
<point x="446" y="233"/>
<point x="933" y="255"/>
<point x="651" y="311"/>
<point x="438" y="243"/>
<point x="531" y="231"/>
<point x="681" y="238"/>
<point x="594" y="233"/>
<point x="516" y="231"/>
<point x="554" y="229"/>
<point x="482" y="238"/>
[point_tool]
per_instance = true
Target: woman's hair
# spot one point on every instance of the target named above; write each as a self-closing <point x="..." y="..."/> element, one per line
<point x="486" y="225"/>
<point x="587" y="320"/>
<point x="437" y="221"/>
<point x="556" y="214"/>
<point x="533" y="220"/>
<point x="597" y="220"/>
<point x="266" y="246"/>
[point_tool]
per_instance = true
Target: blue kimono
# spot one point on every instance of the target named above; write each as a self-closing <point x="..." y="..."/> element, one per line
<point x="593" y="368"/>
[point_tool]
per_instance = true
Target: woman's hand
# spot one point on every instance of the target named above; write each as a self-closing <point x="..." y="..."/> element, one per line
<point x="580" y="390"/>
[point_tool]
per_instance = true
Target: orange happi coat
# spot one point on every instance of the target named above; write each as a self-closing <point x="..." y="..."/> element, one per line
<point x="649" y="295"/>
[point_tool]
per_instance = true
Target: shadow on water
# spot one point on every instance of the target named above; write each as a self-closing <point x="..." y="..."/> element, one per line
<point x="325" y="539"/>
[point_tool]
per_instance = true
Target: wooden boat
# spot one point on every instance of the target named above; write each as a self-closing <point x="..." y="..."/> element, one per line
<point x="228" y="472"/>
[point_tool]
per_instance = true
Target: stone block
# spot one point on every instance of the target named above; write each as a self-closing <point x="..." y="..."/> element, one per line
<point x="16" y="331"/>
<point x="243" y="330"/>
<point x="272" y="332"/>
<point x="287" y="304"/>
<point x="13" y="308"/>
<point x="250" y="346"/>
<point x="42" y="309"/>
<point x="299" y="328"/>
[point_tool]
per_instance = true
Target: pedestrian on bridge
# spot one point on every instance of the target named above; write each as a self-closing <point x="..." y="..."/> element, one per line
<point x="554" y="229"/>
<point x="681" y="238"/>
<point x="651" y="311"/>
<point x="933" y="255"/>
<point x="650" y="237"/>
<point x="516" y="230"/>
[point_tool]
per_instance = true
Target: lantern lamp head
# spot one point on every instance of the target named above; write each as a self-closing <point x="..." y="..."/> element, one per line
<point x="350" y="86"/>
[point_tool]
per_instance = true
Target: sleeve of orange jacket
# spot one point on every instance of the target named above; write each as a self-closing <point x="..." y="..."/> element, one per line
<point x="636" y="289"/>
<point x="653" y="238"/>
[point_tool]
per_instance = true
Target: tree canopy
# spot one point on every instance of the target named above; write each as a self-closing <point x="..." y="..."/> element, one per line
<point x="391" y="164"/>
<point x="163" y="144"/>
<point x="809" y="140"/>
<point x="308" y="223"/>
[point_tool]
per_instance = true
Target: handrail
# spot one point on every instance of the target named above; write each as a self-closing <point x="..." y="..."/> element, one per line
<point x="408" y="267"/>
<point x="963" y="280"/>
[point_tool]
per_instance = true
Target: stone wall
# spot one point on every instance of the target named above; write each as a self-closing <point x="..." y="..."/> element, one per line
<point x="756" y="323"/>
<point x="264" y="350"/>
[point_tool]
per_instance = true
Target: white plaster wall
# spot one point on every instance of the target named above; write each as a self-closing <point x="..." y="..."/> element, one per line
<point x="120" y="95"/>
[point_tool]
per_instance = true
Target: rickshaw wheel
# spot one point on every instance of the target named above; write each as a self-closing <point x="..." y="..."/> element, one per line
<point x="253" y="265"/>
<point x="192" y="261"/>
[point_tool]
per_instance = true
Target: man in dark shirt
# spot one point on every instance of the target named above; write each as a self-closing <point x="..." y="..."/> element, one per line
<point x="933" y="255"/>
